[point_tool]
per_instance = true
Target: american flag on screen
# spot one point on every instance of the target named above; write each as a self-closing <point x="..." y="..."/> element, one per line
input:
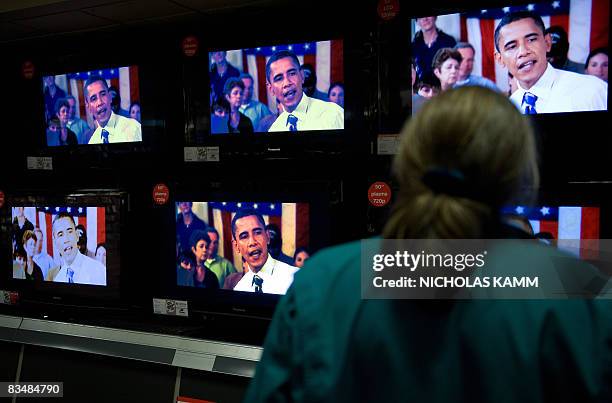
<point x="92" y="218"/>
<point x="326" y="57"/>
<point x="585" y="21"/>
<point x="291" y="218"/>
<point x="125" y="79"/>
<point x="570" y="226"/>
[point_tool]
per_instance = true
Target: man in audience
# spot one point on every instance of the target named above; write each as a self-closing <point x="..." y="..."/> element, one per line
<point x="42" y="259"/>
<point x="52" y="94"/>
<point x="74" y="267"/>
<point x="110" y="127"/>
<point x="426" y="44"/>
<point x="310" y="83"/>
<point x="76" y="124"/>
<point x="186" y="222"/>
<point x="300" y="112"/>
<point x="467" y="65"/>
<point x="521" y="47"/>
<point x="262" y="272"/>
<point x="215" y="263"/>
<point x="250" y="107"/>
<point x="559" y="46"/>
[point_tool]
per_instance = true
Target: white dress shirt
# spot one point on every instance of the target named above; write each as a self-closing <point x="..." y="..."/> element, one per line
<point x="86" y="271"/>
<point x="312" y="114"/>
<point x="564" y="91"/>
<point x="277" y="276"/>
<point x="120" y="130"/>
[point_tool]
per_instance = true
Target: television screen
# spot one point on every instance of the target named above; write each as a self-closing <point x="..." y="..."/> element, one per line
<point x="571" y="228"/>
<point x="241" y="246"/>
<point x="281" y="88"/>
<point x="64" y="244"/>
<point x="547" y="57"/>
<point x="92" y="107"/>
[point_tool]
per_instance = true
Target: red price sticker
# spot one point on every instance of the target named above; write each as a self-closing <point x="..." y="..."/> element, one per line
<point x="1" y="198"/>
<point x="27" y="70"/>
<point x="190" y="46"/>
<point x="161" y="194"/>
<point x="388" y="9"/>
<point x="379" y="194"/>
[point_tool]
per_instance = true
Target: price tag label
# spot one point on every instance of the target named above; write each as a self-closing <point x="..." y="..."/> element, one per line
<point x="170" y="307"/>
<point x="198" y="154"/>
<point x="379" y="194"/>
<point x="40" y="163"/>
<point x="388" y="144"/>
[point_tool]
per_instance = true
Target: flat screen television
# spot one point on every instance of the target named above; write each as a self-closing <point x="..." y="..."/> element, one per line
<point x="552" y="68"/>
<point x="278" y="88"/>
<point x="100" y="106"/>
<point x="249" y="246"/>
<point x="65" y="249"/>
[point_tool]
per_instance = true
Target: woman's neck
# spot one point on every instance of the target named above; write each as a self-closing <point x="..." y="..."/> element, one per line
<point x="430" y="36"/>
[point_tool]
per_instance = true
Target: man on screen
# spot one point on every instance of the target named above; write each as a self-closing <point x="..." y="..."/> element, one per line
<point x="300" y="112"/>
<point x="467" y="66"/>
<point x="262" y="272"/>
<point x="110" y="127"/>
<point x="74" y="267"/>
<point x="217" y="264"/>
<point x="521" y="47"/>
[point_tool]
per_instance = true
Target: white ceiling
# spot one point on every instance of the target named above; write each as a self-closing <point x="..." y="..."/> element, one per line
<point x="25" y="19"/>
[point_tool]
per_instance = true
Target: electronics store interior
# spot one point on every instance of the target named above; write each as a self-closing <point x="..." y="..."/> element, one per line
<point x="171" y="166"/>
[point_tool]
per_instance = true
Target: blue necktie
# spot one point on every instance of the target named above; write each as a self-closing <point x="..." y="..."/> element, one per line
<point x="529" y="101"/>
<point x="292" y="123"/>
<point x="70" y="275"/>
<point x="105" y="136"/>
<point x="258" y="283"/>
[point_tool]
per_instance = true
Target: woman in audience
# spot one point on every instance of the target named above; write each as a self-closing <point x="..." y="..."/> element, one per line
<point x="445" y="65"/>
<point x="237" y="122"/>
<point x="31" y="270"/>
<point x="336" y="94"/>
<point x="597" y="63"/>
<point x="467" y="153"/>
<point x="135" y="110"/>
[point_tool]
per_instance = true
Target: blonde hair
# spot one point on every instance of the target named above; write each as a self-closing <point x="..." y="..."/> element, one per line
<point x="480" y="142"/>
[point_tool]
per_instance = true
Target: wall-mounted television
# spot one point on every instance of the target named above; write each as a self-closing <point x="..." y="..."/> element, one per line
<point x="545" y="56"/>
<point x="277" y="88"/>
<point x="100" y="106"/>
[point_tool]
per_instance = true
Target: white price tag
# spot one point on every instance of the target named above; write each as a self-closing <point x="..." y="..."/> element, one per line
<point x="196" y="154"/>
<point x="170" y="307"/>
<point x="388" y="144"/>
<point x="42" y="163"/>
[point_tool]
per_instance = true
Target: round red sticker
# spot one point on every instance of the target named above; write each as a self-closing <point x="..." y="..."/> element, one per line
<point x="1" y="198"/>
<point x="388" y="9"/>
<point x="379" y="194"/>
<point x="27" y="70"/>
<point x="190" y="46"/>
<point x="161" y="194"/>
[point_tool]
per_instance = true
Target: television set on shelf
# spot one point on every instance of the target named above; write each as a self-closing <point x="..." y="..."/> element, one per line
<point x="544" y="56"/>
<point x="286" y="87"/>
<point x="99" y="106"/>
<point x="236" y="252"/>
<point x="65" y="250"/>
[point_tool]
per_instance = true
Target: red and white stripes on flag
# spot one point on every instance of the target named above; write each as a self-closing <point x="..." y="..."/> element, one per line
<point x="325" y="56"/>
<point x="585" y="21"/>
<point x="92" y="218"/>
<point x="576" y="230"/>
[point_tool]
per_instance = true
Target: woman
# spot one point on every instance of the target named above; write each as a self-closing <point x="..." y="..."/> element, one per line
<point x="135" y="110"/>
<point x="445" y="65"/>
<point x="65" y="135"/>
<point x="203" y="277"/>
<point x="465" y="154"/>
<point x="21" y="224"/>
<point x="597" y="63"/>
<point x="300" y="257"/>
<point x="31" y="269"/>
<point x="237" y="122"/>
<point x="336" y="94"/>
